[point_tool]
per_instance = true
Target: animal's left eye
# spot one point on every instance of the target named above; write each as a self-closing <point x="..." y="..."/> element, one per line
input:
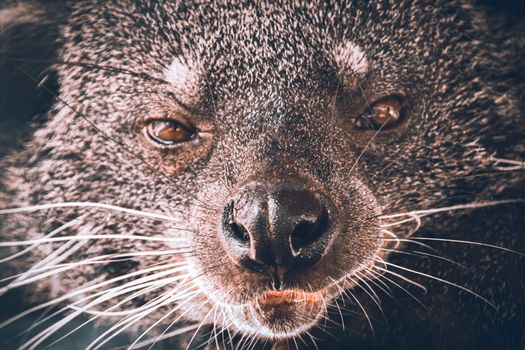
<point x="168" y="132"/>
<point x="382" y="114"/>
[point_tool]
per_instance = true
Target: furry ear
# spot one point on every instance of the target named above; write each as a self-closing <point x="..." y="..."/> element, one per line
<point x="28" y="47"/>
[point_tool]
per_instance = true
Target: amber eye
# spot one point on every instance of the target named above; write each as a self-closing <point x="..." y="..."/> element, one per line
<point x="168" y="132"/>
<point x="383" y="114"/>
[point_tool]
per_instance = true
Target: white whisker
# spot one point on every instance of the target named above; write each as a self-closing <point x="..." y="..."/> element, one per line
<point x="204" y="319"/>
<point x="92" y="237"/>
<point x="188" y="298"/>
<point x="510" y="165"/>
<point x="102" y="259"/>
<point x="160" y="301"/>
<point x="372" y="295"/>
<point x="444" y="281"/>
<point x="157" y="339"/>
<point x="376" y="280"/>
<point x="409" y="240"/>
<point x="97" y="286"/>
<point x="165" y="332"/>
<point x="108" y="295"/>
<point x="88" y="205"/>
<point x="454" y="207"/>
<point x="364" y="311"/>
<point x="143" y="288"/>
<point x="379" y="276"/>
<point x="57" y="255"/>
<point x="412" y="218"/>
<point x="468" y="242"/>
<point x="406" y="279"/>
<point x="419" y="254"/>
<point x="49" y="235"/>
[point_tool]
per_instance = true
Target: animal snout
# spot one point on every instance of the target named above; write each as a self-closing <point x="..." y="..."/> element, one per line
<point x="280" y="229"/>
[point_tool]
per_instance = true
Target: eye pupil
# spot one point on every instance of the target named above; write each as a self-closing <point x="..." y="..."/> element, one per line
<point x="167" y="132"/>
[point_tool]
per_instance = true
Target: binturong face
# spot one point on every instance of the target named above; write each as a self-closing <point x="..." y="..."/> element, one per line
<point x="270" y="155"/>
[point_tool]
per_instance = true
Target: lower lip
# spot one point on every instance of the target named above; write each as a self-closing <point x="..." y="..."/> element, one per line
<point x="287" y="305"/>
<point x="288" y="297"/>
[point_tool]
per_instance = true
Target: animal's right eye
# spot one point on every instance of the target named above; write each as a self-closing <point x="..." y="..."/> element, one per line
<point x="168" y="132"/>
<point x="385" y="113"/>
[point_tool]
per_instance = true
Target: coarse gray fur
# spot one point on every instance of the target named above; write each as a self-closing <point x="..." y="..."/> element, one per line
<point x="275" y="100"/>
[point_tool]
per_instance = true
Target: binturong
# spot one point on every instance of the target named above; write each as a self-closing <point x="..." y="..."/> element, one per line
<point x="262" y="175"/>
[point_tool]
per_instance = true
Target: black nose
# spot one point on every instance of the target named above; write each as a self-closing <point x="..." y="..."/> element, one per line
<point x="278" y="230"/>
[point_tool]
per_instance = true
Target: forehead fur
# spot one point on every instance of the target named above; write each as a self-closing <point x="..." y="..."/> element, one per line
<point x="183" y="76"/>
<point x="351" y="56"/>
<point x="180" y="74"/>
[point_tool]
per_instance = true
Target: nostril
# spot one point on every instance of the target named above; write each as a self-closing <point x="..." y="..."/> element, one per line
<point x="308" y="232"/>
<point x="233" y="229"/>
<point x="238" y="232"/>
